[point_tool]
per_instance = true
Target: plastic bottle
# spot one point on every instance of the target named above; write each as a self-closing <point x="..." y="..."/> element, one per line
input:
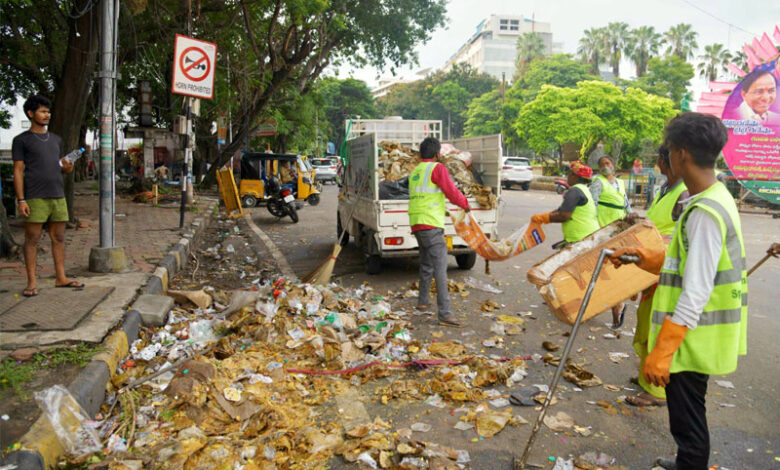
<point x="74" y="155"/>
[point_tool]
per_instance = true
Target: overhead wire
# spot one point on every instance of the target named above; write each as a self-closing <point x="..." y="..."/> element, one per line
<point x="717" y="18"/>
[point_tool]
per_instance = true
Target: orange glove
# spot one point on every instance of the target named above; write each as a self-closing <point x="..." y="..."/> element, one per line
<point x="671" y="336"/>
<point x="649" y="260"/>
<point x="541" y="218"/>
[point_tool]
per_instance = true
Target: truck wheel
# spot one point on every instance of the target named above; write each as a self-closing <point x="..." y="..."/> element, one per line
<point x="249" y="201"/>
<point x="373" y="264"/>
<point x="466" y="260"/>
<point x="340" y="230"/>
<point x="506" y="185"/>
<point x="526" y="186"/>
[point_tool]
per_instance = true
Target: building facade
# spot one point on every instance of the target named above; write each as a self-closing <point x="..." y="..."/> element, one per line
<point x="492" y="49"/>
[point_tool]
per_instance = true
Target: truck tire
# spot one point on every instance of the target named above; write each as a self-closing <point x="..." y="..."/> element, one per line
<point x="526" y="186"/>
<point x="466" y="260"/>
<point x="507" y="185"/>
<point x="340" y="230"/>
<point x="373" y="264"/>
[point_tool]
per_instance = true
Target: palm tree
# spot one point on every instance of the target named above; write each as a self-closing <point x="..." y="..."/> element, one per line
<point x="681" y="41"/>
<point x="739" y="58"/>
<point x="643" y="44"/>
<point x="591" y="48"/>
<point x="714" y="60"/>
<point x="616" y="36"/>
<point x="530" y="46"/>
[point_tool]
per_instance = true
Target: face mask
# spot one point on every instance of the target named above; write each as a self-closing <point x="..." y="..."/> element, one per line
<point x="607" y="170"/>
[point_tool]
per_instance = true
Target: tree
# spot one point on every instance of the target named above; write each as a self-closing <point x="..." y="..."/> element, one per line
<point x="591" y="48"/>
<point x="643" y="44"/>
<point x="668" y="77"/>
<point x="485" y="115"/>
<point x="593" y="112"/>
<point x="616" y="37"/>
<point x="530" y="46"/>
<point x="714" y="60"/>
<point x="451" y="96"/>
<point x="681" y="41"/>
<point x="341" y="100"/>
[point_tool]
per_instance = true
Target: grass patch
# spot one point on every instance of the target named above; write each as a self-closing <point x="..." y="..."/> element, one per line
<point x="15" y="375"/>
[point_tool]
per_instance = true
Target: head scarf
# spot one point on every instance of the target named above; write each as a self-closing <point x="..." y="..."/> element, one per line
<point x="582" y="170"/>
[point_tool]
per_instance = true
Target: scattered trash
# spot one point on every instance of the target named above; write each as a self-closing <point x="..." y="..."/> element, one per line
<point x="560" y="422"/>
<point x="725" y="384"/>
<point x="616" y="357"/>
<point x="463" y="425"/>
<point x="68" y="419"/>
<point x="199" y="298"/>
<point x="482" y="285"/>
<point x="490" y="423"/>
<point x="420" y="427"/>
<point x="550" y="346"/>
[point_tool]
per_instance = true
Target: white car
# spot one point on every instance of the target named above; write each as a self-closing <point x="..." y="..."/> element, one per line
<point x="325" y="168"/>
<point x="516" y="170"/>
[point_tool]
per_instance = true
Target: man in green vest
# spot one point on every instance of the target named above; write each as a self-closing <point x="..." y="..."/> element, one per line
<point x="699" y="318"/>
<point x="609" y="193"/>
<point x="577" y="216"/>
<point x="430" y="186"/>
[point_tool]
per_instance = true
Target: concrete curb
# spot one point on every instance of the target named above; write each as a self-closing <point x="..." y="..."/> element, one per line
<point x="40" y="448"/>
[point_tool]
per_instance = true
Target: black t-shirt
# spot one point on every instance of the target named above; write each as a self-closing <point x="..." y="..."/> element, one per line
<point x="573" y="198"/>
<point x="41" y="154"/>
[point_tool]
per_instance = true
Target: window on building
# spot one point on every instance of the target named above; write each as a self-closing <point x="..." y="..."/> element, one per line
<point x="514" y="25"/>
<point x="503" y="25"/>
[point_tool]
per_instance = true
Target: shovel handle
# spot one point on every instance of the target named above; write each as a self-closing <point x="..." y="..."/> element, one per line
<point x="629" y="259"/>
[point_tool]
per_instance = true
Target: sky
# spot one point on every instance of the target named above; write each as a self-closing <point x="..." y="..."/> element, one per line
<point x="569" y="18"/>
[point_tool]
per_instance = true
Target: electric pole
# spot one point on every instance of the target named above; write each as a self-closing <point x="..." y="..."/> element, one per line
<point x="106" y="257"/>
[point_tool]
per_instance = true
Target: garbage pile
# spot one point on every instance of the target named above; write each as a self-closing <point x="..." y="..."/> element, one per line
<point x="397" y="162"/>
<point x="254" y="379"/>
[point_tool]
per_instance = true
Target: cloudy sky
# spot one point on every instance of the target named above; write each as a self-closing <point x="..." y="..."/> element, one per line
<point x="569" y="18"/>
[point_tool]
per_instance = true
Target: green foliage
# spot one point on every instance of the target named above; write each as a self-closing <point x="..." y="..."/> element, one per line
<point x="442" y="95"/>
<point x="617" y="37"/>
<point x="713" y="61"/>
<point x="530" y="46"/>
<point x="484" y="115"/>
<point x="592" y="47"/>
<point x="668" y="77"/>
<point x="15" y="376"/>
<point x="341" y="100"/>
<point x="643" y="44"/>
<point x="681" y="41"/>
<point x="592" y="112"/>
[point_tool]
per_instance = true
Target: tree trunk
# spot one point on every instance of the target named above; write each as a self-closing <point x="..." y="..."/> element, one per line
<point x="74" y="84"/>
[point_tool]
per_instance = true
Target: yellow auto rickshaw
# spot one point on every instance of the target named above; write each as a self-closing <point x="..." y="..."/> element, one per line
<point x="294" y="171"/>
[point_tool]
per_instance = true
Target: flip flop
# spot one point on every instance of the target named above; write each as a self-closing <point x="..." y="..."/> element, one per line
<point x="639" y="400"/>
<point x="524" y="396"/>
<point x="622" y="317"/>
<point x="72" y="285"/>
<point x="451" y="322"/>
<point x="30" y="292"/>
<point x="423" y="307"/>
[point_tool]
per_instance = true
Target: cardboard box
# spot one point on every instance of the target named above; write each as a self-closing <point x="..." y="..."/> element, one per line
<point x="563" y="277"/>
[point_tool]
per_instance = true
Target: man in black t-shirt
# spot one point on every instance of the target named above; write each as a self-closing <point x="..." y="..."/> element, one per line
<point x="40" y="192"/>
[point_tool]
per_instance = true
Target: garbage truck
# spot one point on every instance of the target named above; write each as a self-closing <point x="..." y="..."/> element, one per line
<point x="379" y="225"/>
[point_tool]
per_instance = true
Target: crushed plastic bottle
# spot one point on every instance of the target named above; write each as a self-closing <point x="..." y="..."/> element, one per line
<point x="380" y="309"/>
<point x="201" y="332"/>
<point x="482" y="285"/>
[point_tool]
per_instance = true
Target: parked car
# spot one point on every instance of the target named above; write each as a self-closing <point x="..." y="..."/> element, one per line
<point x="325" y="168"/>
<point x="516" y="170"/>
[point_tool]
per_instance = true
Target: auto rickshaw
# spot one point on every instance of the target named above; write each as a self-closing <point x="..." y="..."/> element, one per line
<point x="293" y="170"/>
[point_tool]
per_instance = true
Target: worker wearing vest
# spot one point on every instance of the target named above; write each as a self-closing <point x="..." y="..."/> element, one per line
<point x="430" y="186"/>
<point x="699" y="318"/>
<point x="664" y="213"/>
<point x="609" y="193"/>
<point x="577" y="214"/>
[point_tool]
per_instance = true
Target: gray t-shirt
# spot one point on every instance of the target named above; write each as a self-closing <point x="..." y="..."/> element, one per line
<point x="41" y="154"/>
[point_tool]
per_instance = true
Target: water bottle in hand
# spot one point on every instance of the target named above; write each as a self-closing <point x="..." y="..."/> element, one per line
<point x="74" y="155"/>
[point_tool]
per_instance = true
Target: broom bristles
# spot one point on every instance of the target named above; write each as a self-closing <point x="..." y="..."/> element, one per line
<point x="321" y="274"/>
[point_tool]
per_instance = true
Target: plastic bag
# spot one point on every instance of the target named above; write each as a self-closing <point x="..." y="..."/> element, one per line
<point x="68" y="420"/>
<point x="524" y="239"/>
<point x="394" y="190"/>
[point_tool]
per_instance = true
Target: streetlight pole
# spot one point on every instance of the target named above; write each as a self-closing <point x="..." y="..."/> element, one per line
<point x="106" y="257"/>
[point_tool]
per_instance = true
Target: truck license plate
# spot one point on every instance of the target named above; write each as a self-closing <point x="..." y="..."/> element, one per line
<point x="448" y="239"/>
<point x="289" y="198"/>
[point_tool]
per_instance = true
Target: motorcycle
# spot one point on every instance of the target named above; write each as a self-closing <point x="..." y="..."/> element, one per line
<point x="561" y="186"/>
<point x="281" y="201"/>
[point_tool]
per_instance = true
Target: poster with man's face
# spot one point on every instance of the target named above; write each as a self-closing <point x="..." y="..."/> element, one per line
<point x="752" y="116"/>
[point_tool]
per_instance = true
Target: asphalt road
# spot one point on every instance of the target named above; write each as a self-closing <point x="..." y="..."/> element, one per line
<point x="743" y="421"/>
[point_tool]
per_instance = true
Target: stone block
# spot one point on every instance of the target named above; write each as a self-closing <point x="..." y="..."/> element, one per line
<point x="153" y="308"/>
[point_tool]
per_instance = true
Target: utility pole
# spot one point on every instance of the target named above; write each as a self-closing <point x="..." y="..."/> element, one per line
<point x="106" y="257"/>
<point x="186" y="171"/>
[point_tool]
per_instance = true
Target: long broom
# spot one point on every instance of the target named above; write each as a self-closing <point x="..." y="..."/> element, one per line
<point x="321" y="275"/>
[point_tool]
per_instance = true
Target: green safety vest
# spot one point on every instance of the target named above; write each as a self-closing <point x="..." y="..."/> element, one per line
<point x="427" y="204"/>
<point x="660" y="211"/>
<point x="612" y="202"/>
<point x="721" y="335"/>
<point x="583" y="220"/>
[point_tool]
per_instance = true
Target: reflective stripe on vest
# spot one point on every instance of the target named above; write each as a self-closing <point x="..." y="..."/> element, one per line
<point x="721" y="333"/>
<point x="612" y="202"/>
<point x="427" y="203"/>
<point x="584" y="220"/>
<point x="660" y="211"/>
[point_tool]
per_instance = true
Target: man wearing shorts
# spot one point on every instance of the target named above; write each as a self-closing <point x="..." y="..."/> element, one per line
<point x="38" y="168"/>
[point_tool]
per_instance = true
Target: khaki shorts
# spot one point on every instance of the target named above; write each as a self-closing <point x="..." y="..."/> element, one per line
<point x="48" y="209"/>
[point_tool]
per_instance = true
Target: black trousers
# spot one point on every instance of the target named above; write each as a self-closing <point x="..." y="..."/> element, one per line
<point x="685" y="397"/>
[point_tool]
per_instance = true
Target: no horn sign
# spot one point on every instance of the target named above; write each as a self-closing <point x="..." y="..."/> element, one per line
<point x="194" y="62"/>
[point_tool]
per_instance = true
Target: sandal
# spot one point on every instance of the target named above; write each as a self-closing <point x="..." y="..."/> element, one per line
<point x="620" y="318"/>
<point x="72" y="285"/>
<point x="645" y="399"/>
<point x="423" y="307"/>
<point x="30" y="292"/>
<point x="450" y="321"/>
<point x="524" y="396"/>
